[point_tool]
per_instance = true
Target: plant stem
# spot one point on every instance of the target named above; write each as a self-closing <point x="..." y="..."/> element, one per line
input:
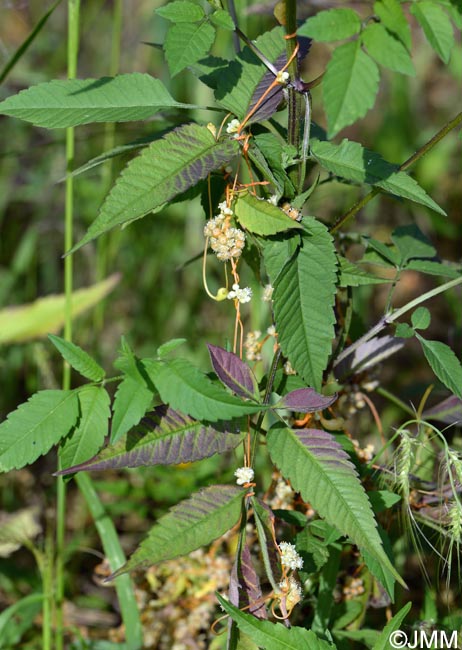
<point x="345" y="218"/>
<point x="294" y="97"/>
<point x="72" y="50"/>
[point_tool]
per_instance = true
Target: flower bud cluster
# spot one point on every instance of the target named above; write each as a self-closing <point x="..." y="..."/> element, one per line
<point x="244" y="475"/>
<point x="225" y="241"/>
<point x="253" y="346"/>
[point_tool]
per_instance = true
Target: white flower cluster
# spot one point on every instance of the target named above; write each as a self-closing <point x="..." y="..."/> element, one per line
<point x="268" y="293"/>
<point x="289" y="556"/>
<point x="225" y="241"/>
<point x="282" y="77"/>
<point x="233" y="126"/>
<point x="288" y="369"/>
<point x="252" y="346"/>
<point x="292" y="590"/>
<point x="244" y="475"/>
<point x="242" y="295"/>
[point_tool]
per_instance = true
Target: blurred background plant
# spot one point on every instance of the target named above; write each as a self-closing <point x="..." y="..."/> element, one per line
<point x="154" y="296"/>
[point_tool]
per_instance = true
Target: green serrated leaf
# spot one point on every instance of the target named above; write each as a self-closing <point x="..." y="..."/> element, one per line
<point x="61" y="104"/>
<point x="261" y="217"/>
<point x="386" y="49"/>
<point x="186" y="43"/>
<point x="35" y="320"/>
<point x="444" y="364"/>
<point x="222" y="18"/>
<point x="237" y="83"/>
<point x="331" y="25"/>
<point x="131" y="402"/>
<point x="303" y="300"/>
<point x="274" y="636"/>
<point x="78" y="358"/>
<point x="163" y="170"/>
<point x="392" y="17"/>
<point x="380" y="253"/>
<point x="352" y="161"/>
<point x="35" y="426"/>
<point x="181" y="11"/>
<point x="350" y="85"/>
<point x="89" y="435"/>
<point x="436" y="27"/>
<point x="197" y="521"/>
<point x="383" y="642"/>
<point x="352" y="275"/>
<point x="321" y="471"/>
<point x="185" y="388"/>
<point x="383" y="499"/>
<point x="421" y="318"/>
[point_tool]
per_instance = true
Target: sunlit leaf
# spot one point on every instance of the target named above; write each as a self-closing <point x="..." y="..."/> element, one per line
<point x="163" y="170"/>
<point x="331" y="25"/>
<point x="392" y="17"/>
<point x="186" y="43"/>
<point x="35" y="426"/>
<point x="61" y="104"/>
<point x="386" y="49"/>
<point x="132" y="400"/>
<point x="78" y="358"/>
<point x="262" y="218"/>
<point x="181" y="11"/>
<point x="197" y="521"/>
<point x="436" y="27"/>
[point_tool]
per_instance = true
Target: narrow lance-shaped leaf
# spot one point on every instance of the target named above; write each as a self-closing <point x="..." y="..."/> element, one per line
<point x="197" y="521"/>
<point x="274" y="636"/>
<point x="89" y="435"/>
<point x="164" y="437"/>
<point x="35" y="426"/>
<point x="349" y="86"/>
<point x="233" y="372"/>
<point x="321" y="471"/>
<point x="305" y="400"/>
<point x="352" y="161"/>
<point x="383" y="642"/>
<point x="260" y="217"/>
<point x="61" y="104"/>
<point x="303" y="301"/>
<point x="78" y="358"/>
<point x="163" y="170"/>
<point x="187" y="389"/>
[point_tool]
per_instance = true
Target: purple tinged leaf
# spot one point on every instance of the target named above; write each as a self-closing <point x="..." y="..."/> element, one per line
<point x="272" y="100"/>
<point x="233" y="373"/>
<point x="448" y="411"/>
<point x="265" y="522"/>
<point x="250" y="586"/>
<point x="305" y="400"/>
<point x="164" y="437"/>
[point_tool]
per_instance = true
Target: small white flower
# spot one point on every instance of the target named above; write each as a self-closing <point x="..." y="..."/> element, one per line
<point x="271" y="331"/>
<point x="224" y="210"/>
<point x="233" y="126"/>
<point x="267" y="293"/>
<point x="244" y="475"/>
<point x="242" y="295"/>
<point x="289" y="556"/>
<point x="282" y="77"/>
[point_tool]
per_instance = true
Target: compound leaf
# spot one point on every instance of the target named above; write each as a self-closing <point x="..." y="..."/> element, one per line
<point x="186" y="43"/>
<point x="187" y="389"/>
<point x="350" y="86"/>
<point x="197" y="521"/>
<point x="163" y="170"/>
<point x="61" y="104"/>
<point x="35" y="426"/>
<point x="164" y="437"/>
<point x="303" y="300"/>
<point x="322" y="472"/>
<point x="331" y="25"/>
<point x="352" y="161"/>
<point x="88" y="437"/>
<point x="78" y="358"/>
